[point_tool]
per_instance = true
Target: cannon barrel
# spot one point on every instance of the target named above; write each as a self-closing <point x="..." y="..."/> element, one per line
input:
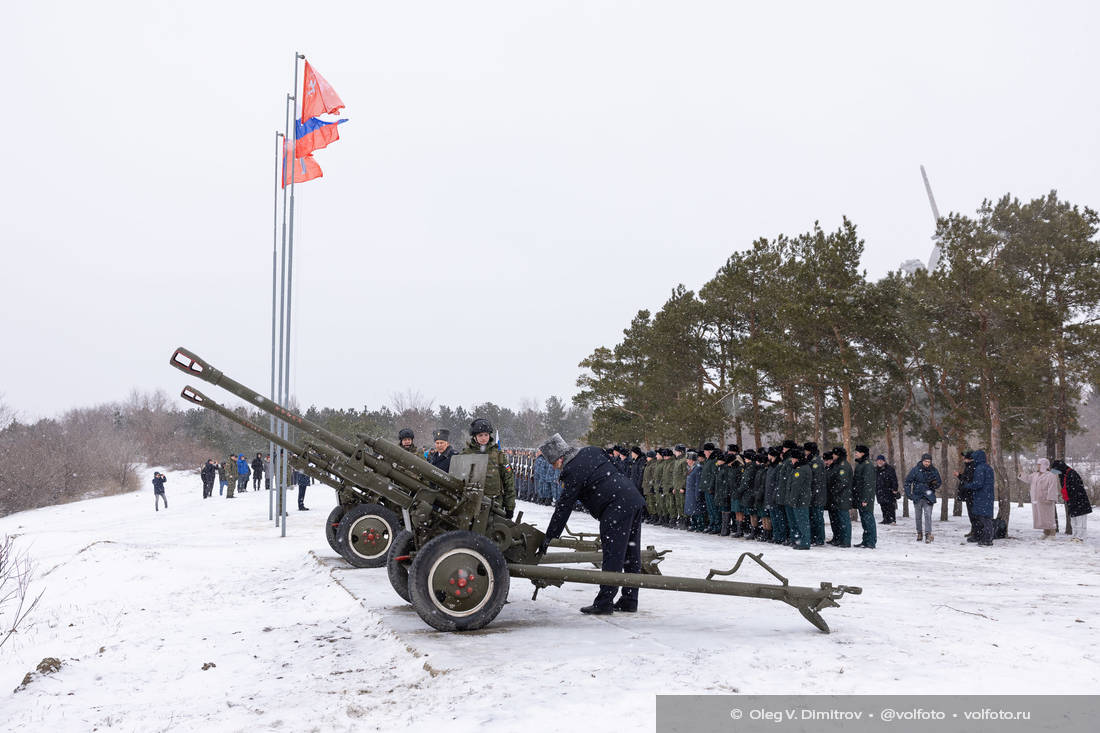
<point x="322" y="455"/>
<point x="191" y="363"/>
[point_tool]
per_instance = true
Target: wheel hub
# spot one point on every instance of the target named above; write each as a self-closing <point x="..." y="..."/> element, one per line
<point x="370" y="536"/>
<point x="461" y="582"/>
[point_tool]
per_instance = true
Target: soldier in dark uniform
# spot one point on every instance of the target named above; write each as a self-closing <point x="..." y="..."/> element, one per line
<point x="440" y="455"/>
<point x="611" y="498"/>
<point x="499" y="479"/>
<point x="840" y="498"/>
<point x="818" y="494"/>
<point x="863" y="492"/>
<point x="798" y="498"/>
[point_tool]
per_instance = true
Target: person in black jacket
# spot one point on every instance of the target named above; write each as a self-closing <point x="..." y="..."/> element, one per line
<point x="208" y="474"/>
<point x="303" y="481"/>
<point x="637" y="468"/>
<point x="1078" y="505"/>
<point x="158" y="490"/>
<point x="588" y="476"/>
<point x="257" y="471"/>
<point x="886" y="489"/>
<point x="966" y="494"/>
<point x="440" y="454"/>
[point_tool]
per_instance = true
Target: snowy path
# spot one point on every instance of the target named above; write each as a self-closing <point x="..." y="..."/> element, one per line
<point x="137" y="602"/>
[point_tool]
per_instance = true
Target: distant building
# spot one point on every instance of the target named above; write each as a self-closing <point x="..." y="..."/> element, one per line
<point x="911" y="266"/>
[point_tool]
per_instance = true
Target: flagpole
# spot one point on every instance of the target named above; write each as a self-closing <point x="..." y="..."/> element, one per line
<point x="280" y="459"/>
<point x="274" y="273"/>
<point x="290" y="249"/>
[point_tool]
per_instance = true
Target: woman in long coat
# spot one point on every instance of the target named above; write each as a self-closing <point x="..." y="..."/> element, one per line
<point x="1044" y="494"/>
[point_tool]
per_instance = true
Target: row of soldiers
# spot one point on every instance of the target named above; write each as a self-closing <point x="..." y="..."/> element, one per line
<point x="779" y="494"/>
<point x="536" y="480"/>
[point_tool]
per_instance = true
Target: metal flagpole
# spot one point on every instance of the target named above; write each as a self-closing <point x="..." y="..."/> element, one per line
<point x="274" y="273"/>
<point x="280" y="459"/>
<point x="290" y="253"/>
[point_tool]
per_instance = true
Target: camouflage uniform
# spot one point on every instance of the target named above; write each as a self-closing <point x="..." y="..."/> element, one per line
<point x="679" y="487"/>
<point x="650" y="488"/>
<point x="499" y="479"/>
<point x="229" y="473"/>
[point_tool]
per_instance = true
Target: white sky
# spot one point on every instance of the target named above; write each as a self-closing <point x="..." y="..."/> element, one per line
<point x="516" y="181"/>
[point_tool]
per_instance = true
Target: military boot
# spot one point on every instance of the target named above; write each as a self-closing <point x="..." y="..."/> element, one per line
<point x="738" y="529"/>
<point x="725" y="524"/>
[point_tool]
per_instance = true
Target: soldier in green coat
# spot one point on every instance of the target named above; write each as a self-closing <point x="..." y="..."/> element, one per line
<point x="679" y="485"/>
<point x="708" y="476"/>
<point x="799" y="494"/>
<point x="839" y="498"/>
<point x="863" y="492"/>
<point x="229" y="471"/>
<point x="782" y="496"/>
<point x="818" y="493"/>
<point x="649" y="487"/>
<point x="500" y="482"/>
<point x="659" y="486"/>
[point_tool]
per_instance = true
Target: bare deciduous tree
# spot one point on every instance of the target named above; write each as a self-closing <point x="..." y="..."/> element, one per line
<point x="16" y="603"/>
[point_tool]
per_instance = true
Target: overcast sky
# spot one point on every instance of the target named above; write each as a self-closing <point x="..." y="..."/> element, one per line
<point x="517" y="179"/>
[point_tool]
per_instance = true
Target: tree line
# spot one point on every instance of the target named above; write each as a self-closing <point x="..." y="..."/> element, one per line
<point x="93" y="451"/>
<point x="996" y="347"/>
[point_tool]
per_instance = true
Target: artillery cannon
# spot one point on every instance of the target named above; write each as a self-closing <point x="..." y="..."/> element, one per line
<point x="448" y="547"/>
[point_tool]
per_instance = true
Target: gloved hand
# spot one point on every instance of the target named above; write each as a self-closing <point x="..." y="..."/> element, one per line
<point x="509" y="513"/>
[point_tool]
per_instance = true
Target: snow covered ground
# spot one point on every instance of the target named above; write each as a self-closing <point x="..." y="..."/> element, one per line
<point x="137" y="602"/>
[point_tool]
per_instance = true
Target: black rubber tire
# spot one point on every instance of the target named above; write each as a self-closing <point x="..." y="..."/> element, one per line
<point x="331" y="524"/>
<point x="399" y="573"/>
<point x="348" y="541"/>
<point x="477" y="558"/>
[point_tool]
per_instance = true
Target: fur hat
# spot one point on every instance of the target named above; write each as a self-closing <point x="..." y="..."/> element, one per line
<point x="679" y="448"/>
<point x="790" y="444"/>
<point x="862" y="449"/>
<point x="708" y="446"/>
<point x="733" y="448"/>
<point x="651" y="454"/>
<point x="923" y="457"/>
<point x="692" y="455"/>
<point x="810" y="447"/>
<point x="556" y="448"/>
<point x="637" y="451"/>
<point x="840" y="453"/>
<point x="441" y="434"/>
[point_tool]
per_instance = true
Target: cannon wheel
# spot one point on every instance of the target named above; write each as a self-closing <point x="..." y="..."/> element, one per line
<point x="332" y="523"/>
<point x="458" y="581"/>
<point x="365" y="534"/>
<point x="399" y="571"/>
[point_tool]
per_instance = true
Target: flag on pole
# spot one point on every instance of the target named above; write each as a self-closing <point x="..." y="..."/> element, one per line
<point x="318" y="96"/>
<point x="303" y="169"/>
<point x="314" y="134"/>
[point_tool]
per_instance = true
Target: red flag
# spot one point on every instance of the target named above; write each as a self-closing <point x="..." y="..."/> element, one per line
<point x="304" y="169"/>
<point x="318" y="96"/>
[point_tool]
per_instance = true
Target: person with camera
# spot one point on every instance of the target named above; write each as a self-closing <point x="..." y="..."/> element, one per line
<point x="158" y="490"/>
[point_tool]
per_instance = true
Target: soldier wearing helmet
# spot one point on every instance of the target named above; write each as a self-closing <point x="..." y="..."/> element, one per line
<point x="499" y="479"/>
<point x="405" y="438"/>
